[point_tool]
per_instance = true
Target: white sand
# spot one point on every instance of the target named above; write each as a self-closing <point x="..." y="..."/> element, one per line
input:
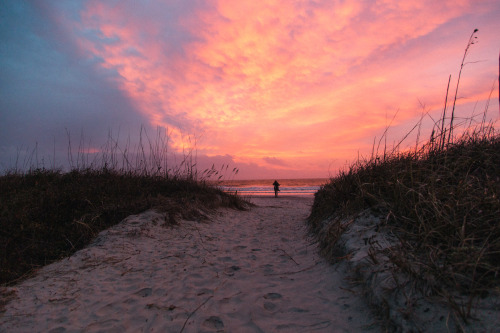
<point x="391" y="291"/>
<point x="253" y="271"/>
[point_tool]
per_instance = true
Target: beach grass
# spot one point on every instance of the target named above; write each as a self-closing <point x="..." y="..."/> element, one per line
<point x="441" y="202"/>
<point x="48" y="214"/>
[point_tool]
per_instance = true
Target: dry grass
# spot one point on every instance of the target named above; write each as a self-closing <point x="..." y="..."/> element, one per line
<point x="444" y="207"/>
<point x="46" y="215"/>
<point x="441" y="200"/>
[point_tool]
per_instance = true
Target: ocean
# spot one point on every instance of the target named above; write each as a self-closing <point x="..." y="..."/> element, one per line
<point x="264" y="187"/>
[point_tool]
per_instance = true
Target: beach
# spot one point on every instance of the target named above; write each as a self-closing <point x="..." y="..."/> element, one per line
<point x="241" y="271"/>
<point x="300" y="187"/>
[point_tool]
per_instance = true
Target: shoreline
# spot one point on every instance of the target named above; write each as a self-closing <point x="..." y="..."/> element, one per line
<point x="281" y="195"/>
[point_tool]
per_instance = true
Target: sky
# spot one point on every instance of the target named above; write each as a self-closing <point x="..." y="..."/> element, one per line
<point x="275" y="89"/>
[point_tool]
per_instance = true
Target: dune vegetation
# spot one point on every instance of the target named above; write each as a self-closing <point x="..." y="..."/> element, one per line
<point x="441" y="202"/>
<point x="48" y="214"/>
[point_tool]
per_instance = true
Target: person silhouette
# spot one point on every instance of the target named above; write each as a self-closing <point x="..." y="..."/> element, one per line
<point x="276" y="188"/>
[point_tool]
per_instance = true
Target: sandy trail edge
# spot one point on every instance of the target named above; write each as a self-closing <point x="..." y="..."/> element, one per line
<point x="253" y="271"/>
<point x="395" y="295"/>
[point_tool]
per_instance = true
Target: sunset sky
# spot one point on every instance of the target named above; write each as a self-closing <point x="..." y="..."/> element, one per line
<point x="276" y="88"/>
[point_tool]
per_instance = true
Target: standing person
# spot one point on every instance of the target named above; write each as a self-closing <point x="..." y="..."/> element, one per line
<point x="276" y="188"/>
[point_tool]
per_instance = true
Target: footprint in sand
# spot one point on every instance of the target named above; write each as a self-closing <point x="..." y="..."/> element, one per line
<point x="269" y="305"/>
<point x="225" y="259"/>
<point x="214" y="322"/>
<point x="272" y="296"/>
<point x="230" y="270"/>
<point x="267" y="269"/>
<point x="145" y="292"/>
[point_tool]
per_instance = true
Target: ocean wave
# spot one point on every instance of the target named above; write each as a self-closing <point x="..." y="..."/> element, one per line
<point x="268" y="190"/>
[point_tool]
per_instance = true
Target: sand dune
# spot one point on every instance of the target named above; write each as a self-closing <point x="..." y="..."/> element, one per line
<point x="253" y="271"/>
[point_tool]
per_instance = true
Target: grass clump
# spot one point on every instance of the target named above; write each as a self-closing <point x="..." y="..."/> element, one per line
<point x="443" y="204"/>
<point x="46" y="215"/>
<point x="440" y="201"/>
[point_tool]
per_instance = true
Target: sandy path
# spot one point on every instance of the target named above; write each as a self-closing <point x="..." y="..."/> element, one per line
<point x="253" y="271"/>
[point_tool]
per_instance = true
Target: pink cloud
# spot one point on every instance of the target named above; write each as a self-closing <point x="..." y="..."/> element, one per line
<point x="300" y="81"/>
<point x="275" y="161"/>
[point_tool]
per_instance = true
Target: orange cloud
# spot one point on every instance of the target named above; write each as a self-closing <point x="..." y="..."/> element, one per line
<point x="278" y="83"/>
